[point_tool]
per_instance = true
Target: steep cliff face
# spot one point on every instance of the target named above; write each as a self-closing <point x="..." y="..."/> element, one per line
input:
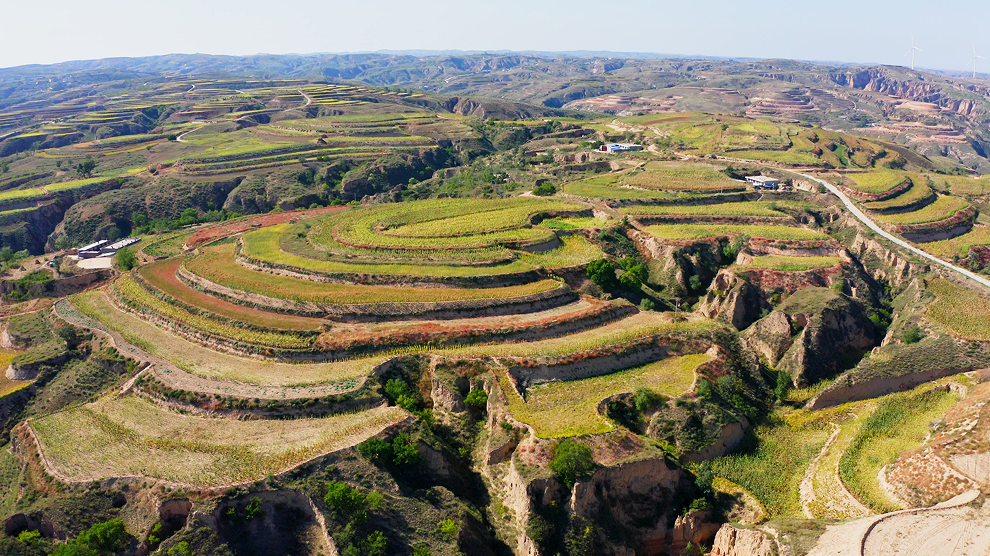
<point x="673" y="265"/>
<point x="834" y="331"/>
<point x="735" y="541"/>
<point x="881" y="80"/>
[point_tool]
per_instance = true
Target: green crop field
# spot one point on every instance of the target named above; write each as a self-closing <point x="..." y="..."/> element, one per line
<point x="125" y="436"/>
<point x="22" y="194"/>
<point x="789" y="263"/>
<point x="875" y="182"/>
<point x="959" y="245"/>
<point x="944" y="207"/>
<point x="918" y="192"/>
<point x="607" y="187"/>
<point x="789" y="157"/>
<point x="639" y="325"/>
<point x="743" y="208"/>
<point x="569" y="408"/>
<point x="976" y="186"/>
<point x="216" y="263"/>
<point x="134" y="293"/>
<point x="576" y="251"/>
<point x="265" y="245"/>
<point x="901" y="422"/>
<point x="576" y="223"/>
<point x="207" y="363"/>
<point x="679" y="176"/>
<point x="167" y="245"/>
<point x="514" y="217"/>
<point x="700" y="231"/>
<point x="771" y="463"/>
<point x="973" y="323"/>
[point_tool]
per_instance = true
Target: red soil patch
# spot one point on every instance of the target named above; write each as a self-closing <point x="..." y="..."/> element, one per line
<point x="162" y="276"/>
<point x="230" y="228"/>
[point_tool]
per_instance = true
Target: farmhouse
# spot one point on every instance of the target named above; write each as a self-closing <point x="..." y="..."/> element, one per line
<point x="108" y="250"/>
<point x="620" y="147"/>
<point x="91" y="250"/>
<point x="763" y="182"/>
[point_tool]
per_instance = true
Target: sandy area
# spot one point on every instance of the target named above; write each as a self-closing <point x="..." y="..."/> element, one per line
<point x="95" y="263"/>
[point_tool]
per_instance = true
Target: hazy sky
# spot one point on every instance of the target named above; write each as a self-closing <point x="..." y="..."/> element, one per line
<point x="47" y="31"/>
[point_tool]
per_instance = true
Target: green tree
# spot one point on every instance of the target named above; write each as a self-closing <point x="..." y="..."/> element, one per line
<point x="349" y="502"/>
<point x="602" y="273"/>
<point x="375" y="544"/>
<point x="572" y="461"/>
<point x="478" y="398"/>
<point x="126" y="259"/>
<point x="86" y="167"/>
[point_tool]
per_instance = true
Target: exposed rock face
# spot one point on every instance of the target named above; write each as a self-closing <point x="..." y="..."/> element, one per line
<point x="695" y="528"/>
<point x="770" y="336"/>
<point x="734" y="300"/>
<point x="635" y="499"/>
<point x="674" y="265"/>
<point x="733" y="541"/>
<point x="831" y="336"/>
<point x="892" y="268"/>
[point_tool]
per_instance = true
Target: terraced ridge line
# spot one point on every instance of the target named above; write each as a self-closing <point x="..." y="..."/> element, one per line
<point x="897" y="241"/>
<point x="172" y="376"/>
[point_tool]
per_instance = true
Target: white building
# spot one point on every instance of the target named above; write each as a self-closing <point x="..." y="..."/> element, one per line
<point x="620" y="147"/>
<point x="763" y="182"/>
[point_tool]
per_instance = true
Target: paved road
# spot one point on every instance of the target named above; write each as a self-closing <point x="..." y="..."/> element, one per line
<point x="876" y="228"/>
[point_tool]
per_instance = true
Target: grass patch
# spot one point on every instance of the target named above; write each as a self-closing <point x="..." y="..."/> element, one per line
<point x="131" y="436"/>
<point x="562" y="409"/>
<point x="700" y="231"/>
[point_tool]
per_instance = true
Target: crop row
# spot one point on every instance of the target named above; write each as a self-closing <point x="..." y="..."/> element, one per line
<point x="700" y="231"/>
<point x="918" y="193"/>
<point x="681" y="177"/>
<point x="944" y="207"/>
<point x="490" y="220"/>
<point x="743" y="208"/>
<point x="789" y="263"/>
<point x="875" y="182"/>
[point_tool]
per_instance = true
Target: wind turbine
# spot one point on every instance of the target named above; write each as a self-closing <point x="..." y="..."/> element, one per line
<point x="912" y="51"/>
<point x="975" y="57"/>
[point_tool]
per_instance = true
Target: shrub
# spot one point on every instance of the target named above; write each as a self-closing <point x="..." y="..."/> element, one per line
<point x="571" y="462"/>
<point x="29" y="537"/>
<point x="375" y="544"/>
<point x="448" y="529"/>
<point x="647" y="304"/>
<point x="912" y="335"/>
<point x="545" y="189"/>
<point x="350" y="503"/>
<point x="399" y="393"/>
<point x="478" y="398"/>
<point x="645" y="399"/>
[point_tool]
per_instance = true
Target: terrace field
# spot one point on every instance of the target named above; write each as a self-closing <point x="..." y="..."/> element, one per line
<point x="127" y="436"/>
<point x="875" y="182"/>
<point x="961" y="310"/>
<point x="743" y="208"/>
<point x="944" y="207"/>
<point x="919" y="192"/>
<point x="608" y="187"/>
<point x="214" y="365"/>
<point x="216" y="263"/>
<point x="789" y="263"/>
<point x="680" y="176"/>
<point x="701" y="231"/>
<point x="563" y="409"/>
<point x="959" y="245"/>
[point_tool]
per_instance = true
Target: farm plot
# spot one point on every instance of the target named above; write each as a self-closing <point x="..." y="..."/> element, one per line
<point x="576" y="251"/>
<point x="216" y="263"/>
<point x="701" y="231"/>
<point x="562" y="409"/>
<point x="204" y="362"/>
<point x="607" y="187"/>
<point x="944" y="207"/>
<point x="973" y="323"/>
<point x="161" y="275"/>
<point x="918" y="193"/>
<point x="959" y="245"/>
<point x="743" y="208"/>
<point x="875" y="182"/>
<point x="789" y="263"/>
<point x="679" y="176"/>
<point x="130" y="436"/>
<point x="454" y="223"/>
<point x="583" y="223"/>
<point x="266" y="245"/>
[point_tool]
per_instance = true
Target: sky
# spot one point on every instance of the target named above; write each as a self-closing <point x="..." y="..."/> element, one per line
<point x="856" y="31"/>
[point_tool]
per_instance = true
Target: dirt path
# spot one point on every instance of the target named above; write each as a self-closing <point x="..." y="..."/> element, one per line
<point x="839" y="503"/>
<point x="309" y="100"/>
<point x="179" y="137"/>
